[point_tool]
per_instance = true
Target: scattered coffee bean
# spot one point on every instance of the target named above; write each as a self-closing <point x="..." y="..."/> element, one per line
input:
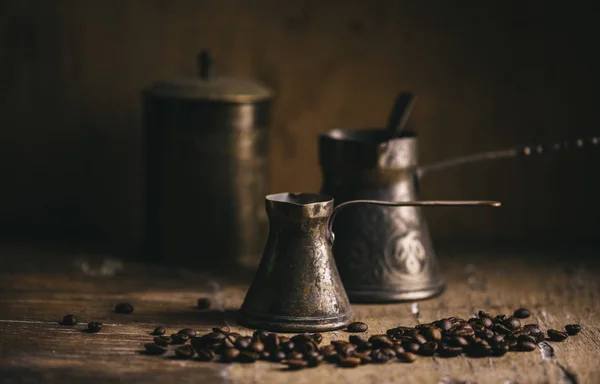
<point x="557" y="335"/>
<point x="512" y="323"/>
<point x="185" y="352"/>
<point x="433" y="334"/>
<point x="572" y="329"/>
<point x="349" y="362"/>
<point x="444" y="324"/>
<point x="294" y="356"/>
<point x="205" y="354"/>
<point x="203" y="303"/>
<point x="364" y="357"/>
<point x="522" y="313"/>
<point x="159" y="331"/>
<point x="256" y="346"/>
<point x="162" y="340"/>
<point x="412" y="347"/>
<point x="94" y="326"/>
<point x="177" y="338"/>
<point x="448" y="351"/>
<point x="243" y="342"/>
<point x="383" y="355"/>
<point x="428" y="349"/>
<point x="124" y="308"/>
<point x="314" y="360"/>
<point x="317" y="337"/>
<point x="277" y="356"/>
<point x="230" y="355"/>
<point x="406" y="357"/>
<point x="296" y="364"/>
<point x="69" y="320"/>
<point x="357" y="326"/>
<point x="155" y="349"/>
<point x="526" y="346"/>
<point x="382" y="341"/>
<point x="189" y="332"/>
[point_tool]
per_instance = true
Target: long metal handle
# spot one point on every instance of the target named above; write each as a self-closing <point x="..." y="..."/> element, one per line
<point x="521" y="150"/>
<point x="417" y="203"/>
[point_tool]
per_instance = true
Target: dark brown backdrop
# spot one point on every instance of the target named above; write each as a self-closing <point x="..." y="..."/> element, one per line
<point x="487" y="74"/>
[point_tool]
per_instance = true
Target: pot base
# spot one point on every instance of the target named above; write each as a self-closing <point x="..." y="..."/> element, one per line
<point x="367" y="296"/>
<point x="292" y="324"/>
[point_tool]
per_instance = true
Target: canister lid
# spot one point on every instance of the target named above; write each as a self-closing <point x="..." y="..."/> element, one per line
<point x="207" y="87"/>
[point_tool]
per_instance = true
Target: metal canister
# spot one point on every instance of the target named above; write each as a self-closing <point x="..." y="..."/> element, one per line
<point x="206" y="163"/>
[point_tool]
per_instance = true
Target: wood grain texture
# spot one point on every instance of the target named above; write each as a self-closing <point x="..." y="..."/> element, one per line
<point x="487" y="75"/>
<point x="40" y="286"/>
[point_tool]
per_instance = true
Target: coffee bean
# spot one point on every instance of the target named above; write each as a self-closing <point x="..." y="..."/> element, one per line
<point x="185" y="352"/>
<point x="293" y="355"/>
<point x="419" y="339"/>
<point x="349" y="362"/>
<point x="512" y="323"/>
<point x="230" y="354"/>
<point x="526" y="346"/>
<point x="572" y="329"/>
<point x="296" y="364"/>
<point x="499" y="318"/>
<point x="256" y="346"/>
<point x="243" y="342"/>
<point x="277" y="356"/>
<point x="177" y="338"/>
<point x="433" y="334"/>
<point x="357" y="340"/>
<point x="449" y="351"/>
<point x="287" y="347"/>
<point x="443" y="324"/>
<point x="412" y="347"/>
<point x="69" y="320"/>
<point x="159" y="331"/>
<point x="457" y="341"/>
<point x="496" y="339"/>
<point x="406" y="357"/>
<point x="526" y="338"/>
<point x="203" y="303"/>
<point x="314" y="360"/>
<point x="364" y="357"/>
<point x="124" y="308"/>
<point x="94" y="326"/>
<point x="522" y="313"/>
<point x="486" y="322"/>
<point x="357" y="326"/>
<point x="205" y="354"/>
<point x="155" y="349"/>
<point x="428" y="349"/>
<point x="162" y="340"/>
<point x="327" y="350"/>
<point x="189" y="332"/>
<point x="398" y="348"/>
<point x="380" y="341"/>
<point x="557" y="335"/>
<point x="383" y="355"/>
<point x="501" y="329"/>
<point x="317" y="337"/>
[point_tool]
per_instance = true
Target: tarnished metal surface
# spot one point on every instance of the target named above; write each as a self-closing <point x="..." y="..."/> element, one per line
<point x="382" y="254"/>
<point x="206" y="176"/>
<point x="297" y="287"/>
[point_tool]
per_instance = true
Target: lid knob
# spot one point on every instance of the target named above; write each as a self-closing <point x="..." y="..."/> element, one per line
<point x="204" y="64"/>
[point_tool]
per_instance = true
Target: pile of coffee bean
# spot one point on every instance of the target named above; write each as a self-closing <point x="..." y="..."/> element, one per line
<point x="483" y="335"/>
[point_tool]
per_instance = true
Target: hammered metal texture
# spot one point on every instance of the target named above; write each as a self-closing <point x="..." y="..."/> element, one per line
<point x="297" y="287"/>
<point x="383" y="254"/>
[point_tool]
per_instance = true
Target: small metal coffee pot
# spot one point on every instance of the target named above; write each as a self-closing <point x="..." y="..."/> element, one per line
<point x="297" y="287"/>
<point x="382" y="255"/>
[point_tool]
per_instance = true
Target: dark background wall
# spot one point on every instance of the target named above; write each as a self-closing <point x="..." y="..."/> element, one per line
<point x="487" y="75"/>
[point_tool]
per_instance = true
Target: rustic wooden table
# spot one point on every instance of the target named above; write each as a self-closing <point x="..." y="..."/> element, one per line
<point x="39" y="287"/>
